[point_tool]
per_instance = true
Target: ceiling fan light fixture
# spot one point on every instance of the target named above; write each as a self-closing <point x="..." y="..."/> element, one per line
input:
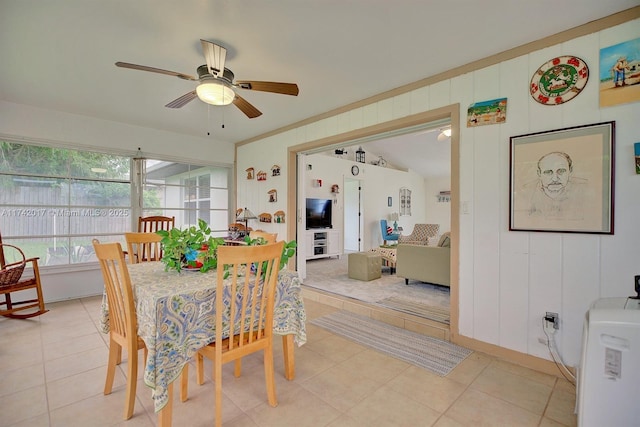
<point x="215" y="92"/>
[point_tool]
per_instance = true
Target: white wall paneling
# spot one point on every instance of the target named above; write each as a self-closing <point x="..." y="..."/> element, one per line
<point x="509" y="279"/>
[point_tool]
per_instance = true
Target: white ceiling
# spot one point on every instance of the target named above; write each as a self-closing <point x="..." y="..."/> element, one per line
<point x="421" y="151"/>
<point x="60" y="54"/>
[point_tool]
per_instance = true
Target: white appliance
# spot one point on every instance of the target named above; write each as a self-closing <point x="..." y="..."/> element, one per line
<point x="609" y="378"/>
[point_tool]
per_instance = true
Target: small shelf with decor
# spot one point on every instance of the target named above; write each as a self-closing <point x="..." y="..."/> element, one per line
<point x="444" y="196"/>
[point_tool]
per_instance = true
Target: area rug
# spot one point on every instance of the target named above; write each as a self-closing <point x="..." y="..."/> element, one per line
<point x="420" y="299"/>
<point x="435" y="355"/>
<point x="416" y="308"/>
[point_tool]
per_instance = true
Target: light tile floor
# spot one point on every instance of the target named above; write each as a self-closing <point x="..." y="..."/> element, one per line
<point x="52" y="371"/>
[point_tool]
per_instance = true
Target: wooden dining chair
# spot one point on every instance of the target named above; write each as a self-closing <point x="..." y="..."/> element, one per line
<point x="151" y="224"/>
<point x="123" y="325"/>
<point x="268" y="237"/>
<point x="13" y="280"/>
<point x="252" y="309"/>
<point x="143" y="247"/>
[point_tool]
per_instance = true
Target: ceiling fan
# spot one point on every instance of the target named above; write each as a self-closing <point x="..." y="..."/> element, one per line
<point x="217" y="85"/>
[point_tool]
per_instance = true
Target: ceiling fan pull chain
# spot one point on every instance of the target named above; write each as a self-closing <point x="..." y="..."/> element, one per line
<point x="208" y="119"/>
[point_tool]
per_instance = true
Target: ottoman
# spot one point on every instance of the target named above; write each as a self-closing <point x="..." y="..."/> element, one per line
<point x="365" y="266"/>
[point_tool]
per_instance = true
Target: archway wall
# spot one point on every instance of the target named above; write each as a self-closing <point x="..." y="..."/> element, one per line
<point x="505" y="281"/>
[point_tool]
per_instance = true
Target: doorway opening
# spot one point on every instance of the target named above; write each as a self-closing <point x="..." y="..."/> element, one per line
<point x="409" y="124"/>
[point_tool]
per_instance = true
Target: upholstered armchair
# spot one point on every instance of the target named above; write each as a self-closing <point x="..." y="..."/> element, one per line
<point x="420" y="234"/>
<point x="387" y="234"/>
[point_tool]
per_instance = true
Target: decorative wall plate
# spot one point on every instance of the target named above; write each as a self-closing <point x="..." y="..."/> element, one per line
<point x="559" y="80"/>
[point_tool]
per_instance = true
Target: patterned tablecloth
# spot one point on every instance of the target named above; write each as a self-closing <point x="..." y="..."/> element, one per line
<point x="176" y="317"/>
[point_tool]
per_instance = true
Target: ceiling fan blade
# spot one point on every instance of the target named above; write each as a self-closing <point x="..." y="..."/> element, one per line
<point x="154" y="70"/>
<point x="215" y="55"/>
<point x="274" y="87"/>
<point x="183" y="100"/>
<point x="244" y="106"/>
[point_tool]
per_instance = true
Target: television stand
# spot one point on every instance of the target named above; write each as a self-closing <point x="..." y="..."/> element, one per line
<point x="323" y="243"/>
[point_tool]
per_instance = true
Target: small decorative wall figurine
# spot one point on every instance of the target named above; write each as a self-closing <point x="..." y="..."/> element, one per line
<point x="279" y="217"/>
<point x="265" y="217"/>
<point x="262" y="176"/>
<point x="275" y="170"/>
<point x="335" y="189"/>
<point x="249" y="172"/>
<point x="444" y="196"/>
<point x="273" y="195"/>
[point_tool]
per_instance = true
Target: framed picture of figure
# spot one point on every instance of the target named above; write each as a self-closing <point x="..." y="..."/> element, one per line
<point x="563" y="180"/>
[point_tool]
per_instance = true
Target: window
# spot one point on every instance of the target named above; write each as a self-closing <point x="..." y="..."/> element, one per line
<point x="188" y="192"/>
<point x="54" y="201"/>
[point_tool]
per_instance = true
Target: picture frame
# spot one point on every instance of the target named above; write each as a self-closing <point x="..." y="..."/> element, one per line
<point x="562" y="180"/>
<point x="489" y="112"/>
<point x="389" y="201"/>
<point x="619" y="77"/>
<point x="405" y="202"/>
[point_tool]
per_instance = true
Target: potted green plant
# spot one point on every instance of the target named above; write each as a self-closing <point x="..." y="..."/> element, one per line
<point x="288" y="250"/>
<point x="190" y="248"/>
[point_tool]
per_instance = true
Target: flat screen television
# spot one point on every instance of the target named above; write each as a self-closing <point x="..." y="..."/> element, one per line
<point x="319" y="213"/>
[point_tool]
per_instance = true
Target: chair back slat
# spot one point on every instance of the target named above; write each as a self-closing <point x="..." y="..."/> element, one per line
<point x="151" y="224"/>
<point x="143" y="247"/>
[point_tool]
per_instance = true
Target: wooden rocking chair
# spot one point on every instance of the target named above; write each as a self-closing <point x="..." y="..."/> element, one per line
<point x="11" y="280"/>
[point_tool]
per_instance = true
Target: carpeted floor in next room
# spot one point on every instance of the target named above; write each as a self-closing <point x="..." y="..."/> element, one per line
<point x="418" y="298"/>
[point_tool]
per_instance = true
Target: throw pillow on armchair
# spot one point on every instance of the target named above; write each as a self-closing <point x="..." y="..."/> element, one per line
<point x="445" y="240"/>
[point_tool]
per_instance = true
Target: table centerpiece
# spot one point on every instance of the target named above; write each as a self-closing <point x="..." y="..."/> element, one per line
<point x="192" y="248"/>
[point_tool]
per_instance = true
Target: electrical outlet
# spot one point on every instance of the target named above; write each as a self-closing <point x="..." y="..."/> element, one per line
<point x="543" y="341"/>
<point x="553" y="319"/>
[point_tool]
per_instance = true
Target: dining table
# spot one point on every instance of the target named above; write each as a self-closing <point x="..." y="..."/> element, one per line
<point x="176" y="317"/>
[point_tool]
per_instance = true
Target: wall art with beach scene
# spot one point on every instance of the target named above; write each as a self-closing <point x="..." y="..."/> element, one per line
<point x="487" y="112"/>
<point x="620" y="73"/>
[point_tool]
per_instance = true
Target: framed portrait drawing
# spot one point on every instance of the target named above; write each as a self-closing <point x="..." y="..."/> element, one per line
<point x="563" y="180"/>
